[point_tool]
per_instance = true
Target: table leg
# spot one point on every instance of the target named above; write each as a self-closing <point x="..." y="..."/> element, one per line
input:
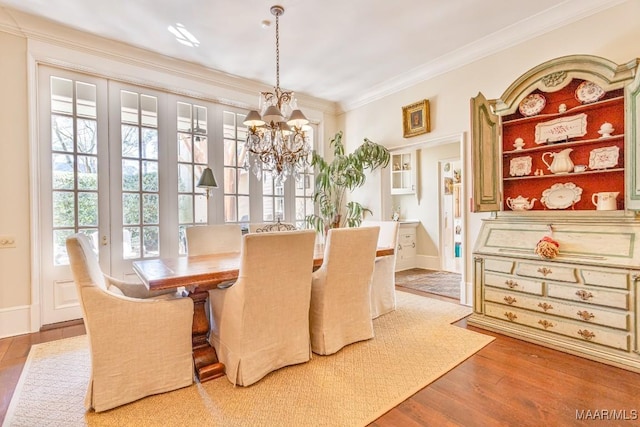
<point x="204" y="356"/>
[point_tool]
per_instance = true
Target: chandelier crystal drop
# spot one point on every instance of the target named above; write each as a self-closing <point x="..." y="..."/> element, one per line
<point x="276" y="140"/>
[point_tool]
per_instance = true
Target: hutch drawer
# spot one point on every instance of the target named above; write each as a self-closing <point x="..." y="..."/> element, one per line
<point x="583" y="332"/>
<point x="589" y="315"/>
<point x="514" y="283"/>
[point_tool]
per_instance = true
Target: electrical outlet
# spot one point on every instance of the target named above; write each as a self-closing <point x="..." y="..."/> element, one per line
<point x="7" y="242"/>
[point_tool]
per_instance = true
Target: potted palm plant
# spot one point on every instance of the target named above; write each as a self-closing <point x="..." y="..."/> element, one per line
<point x="344" y="173"/>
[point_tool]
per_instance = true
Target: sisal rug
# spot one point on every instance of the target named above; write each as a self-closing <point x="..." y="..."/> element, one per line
<point x="436" y="282"/>
<point x="413" y="346"/>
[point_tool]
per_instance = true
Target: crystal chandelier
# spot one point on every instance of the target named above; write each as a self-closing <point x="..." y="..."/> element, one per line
<point x="276" y="141"/>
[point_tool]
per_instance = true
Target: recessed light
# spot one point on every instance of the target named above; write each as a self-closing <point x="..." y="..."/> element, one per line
<point x="183" y="35"/>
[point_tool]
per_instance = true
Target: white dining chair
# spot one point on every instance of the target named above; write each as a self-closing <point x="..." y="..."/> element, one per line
<point x="138" y="347"/>
<point x="265" y="227"/>
<point x="261" y="323"/>
<point x="383" y="285"/>
<point x="213" y="239"/>
<point x="341" y="290"/>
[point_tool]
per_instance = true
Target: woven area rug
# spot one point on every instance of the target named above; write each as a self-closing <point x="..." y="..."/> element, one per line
<point x="413" y="346"/>
<point x="442" y="283"/>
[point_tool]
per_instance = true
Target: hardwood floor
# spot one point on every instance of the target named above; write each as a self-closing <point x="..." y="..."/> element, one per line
<point x="507" y="383"/>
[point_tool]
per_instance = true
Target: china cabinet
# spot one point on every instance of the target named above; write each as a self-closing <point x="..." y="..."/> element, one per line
<point x="556" y="157"/>
<point x="403" y="172"/>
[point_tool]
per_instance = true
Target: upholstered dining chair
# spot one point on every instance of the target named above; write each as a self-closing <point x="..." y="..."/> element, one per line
<point x="341" y="290"/>
<point x="138" y="347"/>
<point x="214" y="238"/>
<point x="265" y="227"/>
<point x="383" y="285"/>
<point x="261" y="323"/>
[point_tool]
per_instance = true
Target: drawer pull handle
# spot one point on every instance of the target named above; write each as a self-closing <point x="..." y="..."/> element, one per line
<point x="545" y="306"/>
<point x="635" y="277"/>
<point x="587" y="335"/>
<point x="510" y="283"/>
<point x="509" y="300"/>
<point x="511" y="316"/>
<point x="546" y="324"/>
<point x="544" y="271"/>
<point x="584" y="295"/>
<point x="585" y="315"/>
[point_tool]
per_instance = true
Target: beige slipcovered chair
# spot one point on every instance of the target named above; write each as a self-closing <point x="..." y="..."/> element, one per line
<point x="341" y="290"/>
<point x="261" y="323"/>
<point x="265" y="227"/>
<point x="383" y="285"/>
<point x="138" y="347"/>
<point x="213" y="239"/>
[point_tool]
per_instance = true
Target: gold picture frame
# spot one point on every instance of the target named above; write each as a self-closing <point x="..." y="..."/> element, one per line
<point x="415" y="119"/>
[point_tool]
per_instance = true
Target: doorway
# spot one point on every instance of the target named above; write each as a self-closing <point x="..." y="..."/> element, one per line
<point x="451" y="224"/>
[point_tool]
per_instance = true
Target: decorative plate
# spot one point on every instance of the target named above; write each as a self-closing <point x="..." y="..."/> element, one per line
<point x="532" y="104"/>
<point x="605" y="157"/>
<point x="588" y="92"/>
<point x="520" y="166"/>
<point x="561" y="196"/>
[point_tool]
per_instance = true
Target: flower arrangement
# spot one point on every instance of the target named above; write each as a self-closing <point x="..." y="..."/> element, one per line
<point x="547" y="248"/>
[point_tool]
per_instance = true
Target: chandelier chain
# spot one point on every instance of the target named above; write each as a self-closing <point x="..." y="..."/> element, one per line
<point x="278" y="50"/>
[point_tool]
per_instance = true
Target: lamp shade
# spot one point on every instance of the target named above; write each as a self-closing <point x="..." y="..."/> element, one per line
<point x="297" y="119"/>
<point x="253" y="119"/>
<point x="207" y="180"/>
<point x="272" y="114"/>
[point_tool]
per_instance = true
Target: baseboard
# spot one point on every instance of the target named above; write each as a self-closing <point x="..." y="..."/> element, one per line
<point x="15" y="321"/>
<point x="428" y="262"/>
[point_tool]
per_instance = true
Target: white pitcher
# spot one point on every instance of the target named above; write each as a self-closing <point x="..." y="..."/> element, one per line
<point x="605" y="201"/>
<point x="561" y="161"/>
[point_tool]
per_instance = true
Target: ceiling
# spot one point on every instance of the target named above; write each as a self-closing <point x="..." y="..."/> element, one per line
<point x="346" y="51"/>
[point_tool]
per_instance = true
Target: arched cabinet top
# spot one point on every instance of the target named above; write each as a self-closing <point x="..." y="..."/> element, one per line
<point x="557" y="73"/>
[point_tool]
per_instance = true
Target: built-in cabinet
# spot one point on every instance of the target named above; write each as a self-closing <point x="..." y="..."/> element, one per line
<point x="403" y="173"/>
<point x="406" y="249"/>
<point x="557" y="156"/>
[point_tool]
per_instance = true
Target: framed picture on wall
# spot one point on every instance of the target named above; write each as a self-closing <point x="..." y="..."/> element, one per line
<point x="448" y="186"/>
<point x="415" y="119"/>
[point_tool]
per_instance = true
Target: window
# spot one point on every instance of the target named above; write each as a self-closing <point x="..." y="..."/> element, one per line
<point x="192" y="151"/>
<point x="304" y="186"/>
<point x="236" y="177"/>
<point x="140" y="183"/>
<point x="272" y="199"/>
<point x="74" y="160"/>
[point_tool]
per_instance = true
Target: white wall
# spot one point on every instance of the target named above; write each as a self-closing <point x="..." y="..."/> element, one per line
<point x="612" y="34"/>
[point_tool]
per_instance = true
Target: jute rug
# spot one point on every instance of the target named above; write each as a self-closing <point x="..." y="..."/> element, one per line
<point x="442" y="283"/>
<point x="412" y="347"/>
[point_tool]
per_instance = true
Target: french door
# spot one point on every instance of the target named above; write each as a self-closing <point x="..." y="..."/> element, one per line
<point x="74" y="181"/>
<point x="118" y="163"/>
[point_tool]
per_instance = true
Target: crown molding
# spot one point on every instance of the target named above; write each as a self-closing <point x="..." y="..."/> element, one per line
<point x="551" y="19"/>
<point x="235" y="91"/>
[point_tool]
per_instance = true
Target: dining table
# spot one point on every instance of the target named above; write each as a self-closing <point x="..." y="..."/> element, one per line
<point x="198" y="274"/>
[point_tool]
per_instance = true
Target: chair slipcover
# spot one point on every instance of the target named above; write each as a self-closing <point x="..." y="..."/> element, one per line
<point x="341" y="290"/>
<point x="138" y="347"/>
<point x="383" y="285"/>
<point x="213" y="239"/>
<point x="261" y="323"/>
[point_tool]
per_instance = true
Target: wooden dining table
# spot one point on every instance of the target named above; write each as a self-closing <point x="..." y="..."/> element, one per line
<point x="198" y="274"/>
